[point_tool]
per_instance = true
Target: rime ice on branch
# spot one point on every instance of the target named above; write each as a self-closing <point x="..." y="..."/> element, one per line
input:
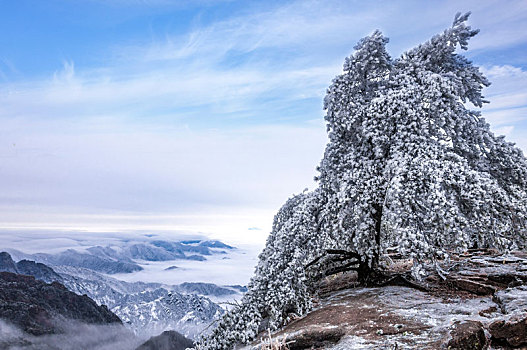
<point x="408" y="166"/>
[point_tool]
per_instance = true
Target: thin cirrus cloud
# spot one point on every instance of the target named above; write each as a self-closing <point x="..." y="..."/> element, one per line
<point x="223" y="114"/>
<point x="507" y="110"/>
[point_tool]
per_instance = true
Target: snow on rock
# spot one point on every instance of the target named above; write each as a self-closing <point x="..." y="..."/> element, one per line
<point x="399" y="317"/>
<point x="513" y="327"/>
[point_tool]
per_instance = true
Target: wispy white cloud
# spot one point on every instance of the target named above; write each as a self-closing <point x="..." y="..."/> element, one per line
<point x="502" y="25"/>
<point x="311" y="26"/>
<point x="238" y="64"/>
<point x="507" y="96"/>
<point x="66" y="75"/>
<point x="506" y="72"/>
<point x="507" y="110"/>
<point x="174" y="90"/>
<point x="501" y="117"/>
<point x="74" y="334"/>
<point x="505" y="130"/>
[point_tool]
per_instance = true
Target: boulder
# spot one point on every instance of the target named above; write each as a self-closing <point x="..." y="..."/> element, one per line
<point x="468" y="335"/>
<point x="512" y="330"/>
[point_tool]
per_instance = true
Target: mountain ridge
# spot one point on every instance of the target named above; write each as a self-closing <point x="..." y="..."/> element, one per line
<point x="35" y="306"/>
<point x="146" y="308"/>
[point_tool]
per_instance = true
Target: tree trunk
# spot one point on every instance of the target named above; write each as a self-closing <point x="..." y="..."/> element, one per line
<point x="377" y="216"/>
<point x="363" y="273"/>
<point x="366" y="268"/>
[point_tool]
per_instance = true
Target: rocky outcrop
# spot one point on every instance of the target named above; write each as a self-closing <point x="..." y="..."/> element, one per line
<point x="481" y="304"/>
<point x="468" y="335"/>
<point x="168" y="340"/>
<point x="511" y="330"/>
<point x="38" y="308"/>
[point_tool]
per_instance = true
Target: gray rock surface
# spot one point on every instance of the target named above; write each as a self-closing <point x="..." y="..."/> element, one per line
<point x="481" y="304"/>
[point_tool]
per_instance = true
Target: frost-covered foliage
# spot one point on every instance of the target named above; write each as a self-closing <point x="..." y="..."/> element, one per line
<point x="408" y="165"/>
<point x="280" y="286"/>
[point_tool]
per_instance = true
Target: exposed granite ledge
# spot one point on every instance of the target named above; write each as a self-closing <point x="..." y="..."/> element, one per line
<point x="483" y="303"/>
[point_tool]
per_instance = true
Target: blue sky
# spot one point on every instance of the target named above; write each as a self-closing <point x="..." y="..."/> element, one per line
<point x="200" y="115"/>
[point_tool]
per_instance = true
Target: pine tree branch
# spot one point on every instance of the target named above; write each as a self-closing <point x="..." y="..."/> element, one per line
<point x="344" y="255"/>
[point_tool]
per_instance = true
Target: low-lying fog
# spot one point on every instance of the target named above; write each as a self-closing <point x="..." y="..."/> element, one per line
<point x="75" y="336"/>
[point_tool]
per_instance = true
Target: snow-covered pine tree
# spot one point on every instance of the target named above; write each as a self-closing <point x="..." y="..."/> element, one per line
<point x="352" y="170"/>
<point x="408" y="164"/>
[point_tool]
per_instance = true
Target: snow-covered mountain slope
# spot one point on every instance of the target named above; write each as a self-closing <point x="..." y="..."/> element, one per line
<point x="188" y="314"/>
<point x="146" y="308"/>
<point x="209" y="289"/>
<point x="150" y="308"/>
